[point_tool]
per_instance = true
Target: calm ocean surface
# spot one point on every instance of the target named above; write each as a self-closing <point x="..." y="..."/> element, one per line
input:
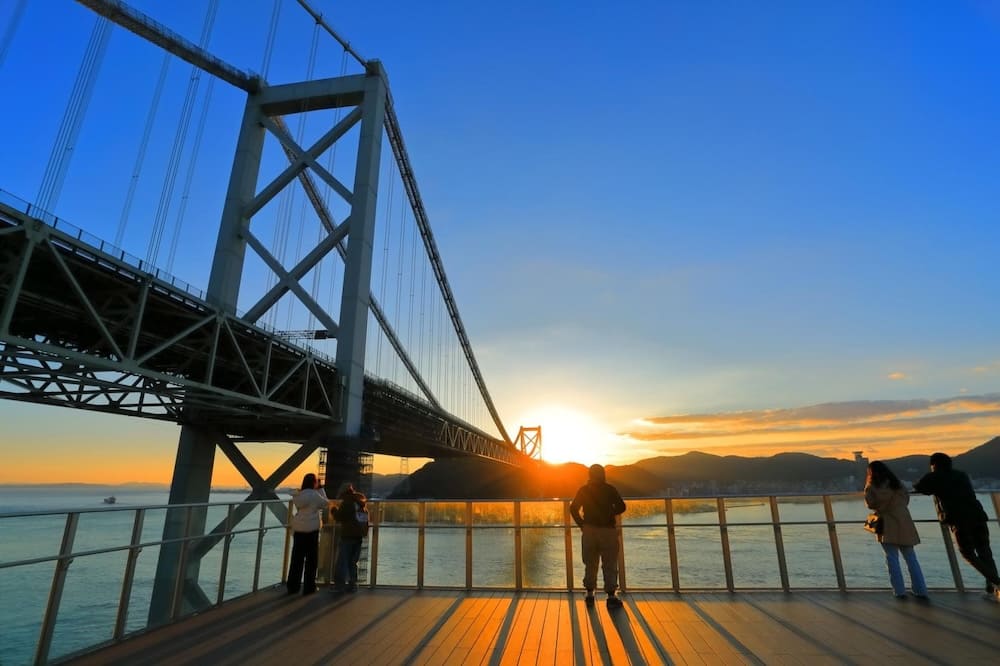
<point x="93" y="583"/>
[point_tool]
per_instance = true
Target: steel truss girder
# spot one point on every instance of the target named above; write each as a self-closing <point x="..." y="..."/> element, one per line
<point x="85" y="329"/>
<point x="405" y="425"/>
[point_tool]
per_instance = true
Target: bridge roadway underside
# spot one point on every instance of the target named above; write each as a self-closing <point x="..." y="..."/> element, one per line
<point x="82" y="327"/>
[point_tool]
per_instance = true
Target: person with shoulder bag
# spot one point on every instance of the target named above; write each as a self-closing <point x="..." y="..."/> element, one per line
<point x="352" y="518"/>
<point x="886" y="496"/>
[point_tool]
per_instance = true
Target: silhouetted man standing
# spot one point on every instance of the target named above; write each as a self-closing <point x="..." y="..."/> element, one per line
<point x="600" y="502"/>
<point x="958" y="508"/>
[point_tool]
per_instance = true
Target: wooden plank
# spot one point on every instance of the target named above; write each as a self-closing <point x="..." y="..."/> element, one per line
<point x="393" y="626"/>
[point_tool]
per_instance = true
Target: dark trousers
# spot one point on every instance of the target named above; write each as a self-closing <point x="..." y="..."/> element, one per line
<point x="305" y="557"/>
<point x="973" y="540"/>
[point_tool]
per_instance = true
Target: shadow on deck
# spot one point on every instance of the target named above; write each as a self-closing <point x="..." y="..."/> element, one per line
<point x="397" y="626"/>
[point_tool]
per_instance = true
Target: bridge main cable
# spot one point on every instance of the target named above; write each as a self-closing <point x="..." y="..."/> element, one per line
<point x="157" y="33"/>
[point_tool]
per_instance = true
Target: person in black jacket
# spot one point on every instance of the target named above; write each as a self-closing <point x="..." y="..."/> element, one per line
<point x="958" y="508"/>
<point x="352" y="519"/>
<point x="600" y="503"/>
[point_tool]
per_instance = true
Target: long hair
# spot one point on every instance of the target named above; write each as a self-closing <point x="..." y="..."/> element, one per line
<point x="879" y="474"/>
<point x="308" y="481"/>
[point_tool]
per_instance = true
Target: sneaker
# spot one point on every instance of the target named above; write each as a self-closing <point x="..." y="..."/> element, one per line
<point x="614" y="602"/>
<point x="589" y="599"/>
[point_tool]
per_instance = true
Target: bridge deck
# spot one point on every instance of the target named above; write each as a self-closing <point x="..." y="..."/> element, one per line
<point x="389" y="626"/>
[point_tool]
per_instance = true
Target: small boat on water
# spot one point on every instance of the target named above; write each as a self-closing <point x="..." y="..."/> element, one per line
<point x="110" y="500"/>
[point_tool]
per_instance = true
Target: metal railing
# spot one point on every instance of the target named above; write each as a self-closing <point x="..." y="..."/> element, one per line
<point x="734" y="543"/>
<point x="92" y="541"/>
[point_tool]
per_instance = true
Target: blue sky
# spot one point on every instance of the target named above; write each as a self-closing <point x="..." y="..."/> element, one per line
<point x="646" y="210"/>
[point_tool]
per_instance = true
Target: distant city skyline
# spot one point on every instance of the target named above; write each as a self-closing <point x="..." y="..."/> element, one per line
<point x="669" y="226"/>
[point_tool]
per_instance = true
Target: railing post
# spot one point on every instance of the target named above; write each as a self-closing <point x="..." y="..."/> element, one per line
<point x="133" y="556"/>
<point x="518" y="582"/>
<point x="56" y="591"/>
<point x="177" y="602"/>
<point x="779" y="543"/>
<point x="675" y="577"/>
<point x="621" y="554"/>
<point x="831" y="525"/>
<point x="373" y="546"/>
<point x="468" y="545"/>
<point x="421" y="521"/>
<point x="260" y="546"/>
<point x="224" y="565"/>
<point x="996" y="504"/>
<point x="288" y="544"/>
<point x="727" y="558"/>
<point x="949" y="547"/>
<point x="568" y="544"/>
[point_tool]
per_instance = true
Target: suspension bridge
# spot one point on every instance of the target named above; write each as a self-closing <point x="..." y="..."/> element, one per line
<point x="326" y="319"/>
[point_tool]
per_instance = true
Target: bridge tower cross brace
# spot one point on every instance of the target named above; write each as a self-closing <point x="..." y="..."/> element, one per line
<point x="191" y="482"/>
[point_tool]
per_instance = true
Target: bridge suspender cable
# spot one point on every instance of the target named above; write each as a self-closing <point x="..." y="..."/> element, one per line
<point x="180" y="137"/>
<point x="189" y="179"/>
<point x="12" y="26"/>
<point x="76" y="109"/>
<point x="143" y="145"/>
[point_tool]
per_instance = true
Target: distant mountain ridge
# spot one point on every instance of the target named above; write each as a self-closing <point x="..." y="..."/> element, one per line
<point x="690" y="473"/>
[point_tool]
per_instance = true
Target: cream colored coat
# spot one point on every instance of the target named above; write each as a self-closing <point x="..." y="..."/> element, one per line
<point x="898" y="527"/>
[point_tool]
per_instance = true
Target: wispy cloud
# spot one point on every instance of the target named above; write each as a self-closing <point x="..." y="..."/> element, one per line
<point x="886" y="427"/>
<point x="897" y="376"/>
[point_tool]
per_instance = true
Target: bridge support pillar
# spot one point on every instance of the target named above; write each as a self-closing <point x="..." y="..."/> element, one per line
<point x="175" y="588"/>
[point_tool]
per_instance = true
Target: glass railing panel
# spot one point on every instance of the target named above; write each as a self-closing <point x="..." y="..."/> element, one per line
<point x="743" y="510"/>
<point x="542" y="513"/>
<point x="647" y="553"/>
<point x="441" y="514"/>
<point x="493" y="514"/>
<point x="142" y="589"/>
<point x="809" y="556"/>
<point x="28" y="537"/>
<point x="239" y="577"/>
<point x="89" y="603"/>
<point x="444" y="553"/>
<point x="397" y="550"/>
<point x="699" y="557"/>
<point x="493" y="554"/>
<point x="809" y="508"/>
<point x="933" y="557"/>
<point x="695" y="511"/>
<point x="645" y="512"/>
<point x="103" y="529"/>
<point x="543" y="557"/>
<point x="27" y="587"/>
<point x="754" y="556"/>
<point x="863" y="558"/>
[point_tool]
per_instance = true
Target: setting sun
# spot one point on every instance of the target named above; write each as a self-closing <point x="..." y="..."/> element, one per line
<point x="569" y="435"/>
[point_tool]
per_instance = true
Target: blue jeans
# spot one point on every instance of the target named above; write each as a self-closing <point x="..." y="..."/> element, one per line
<point x="346" y="574"/>
<point x="917" y="583"/>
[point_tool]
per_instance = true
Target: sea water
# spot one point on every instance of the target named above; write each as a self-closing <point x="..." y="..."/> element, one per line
<point x="94" y="583"/>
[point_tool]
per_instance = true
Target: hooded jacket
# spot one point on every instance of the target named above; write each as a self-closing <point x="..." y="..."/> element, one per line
<point x="309" y="505"/>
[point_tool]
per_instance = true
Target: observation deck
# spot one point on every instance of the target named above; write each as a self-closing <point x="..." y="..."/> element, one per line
<point x="398" y="626"/>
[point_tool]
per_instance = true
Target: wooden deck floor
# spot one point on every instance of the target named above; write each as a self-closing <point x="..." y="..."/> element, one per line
<point x="440" y="627"/>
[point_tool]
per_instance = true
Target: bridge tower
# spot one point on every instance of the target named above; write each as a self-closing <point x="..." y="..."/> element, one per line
<point x="192" y="475"/>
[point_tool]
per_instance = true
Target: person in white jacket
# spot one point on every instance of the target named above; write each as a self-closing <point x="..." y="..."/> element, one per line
<point x="310" y="503"/>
